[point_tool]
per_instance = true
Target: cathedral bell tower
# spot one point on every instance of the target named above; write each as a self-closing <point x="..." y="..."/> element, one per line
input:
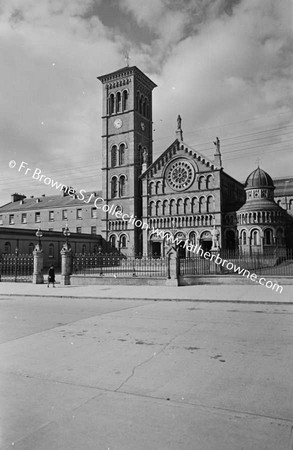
<point x="127" y="144"/>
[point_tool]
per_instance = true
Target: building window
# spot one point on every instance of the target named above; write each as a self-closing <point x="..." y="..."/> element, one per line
<point x="38" y="217"/>
<point x="94" y="213"/>
<point x="244" y="238"/>
<point x="122" y="154"/>
<point x="1" y="220"/>
<point x="124" y="100"/>
<point x="118" y="102"/>
<point x="122" y="185"/>
<point x="111" y="104"/>
<point x="113" y="241"/>
<point x="114" y="156"/>
<point x="93" y="230"/>
<point x="140" y="104"/>
<point x="23" y="218"/>
<point x="78" y="230"/>
<point x="200" y="182"/>
<point x="64" y="214"/>
<point x="30" y="248"/>
<point x="208" y="181"/>
<point x="51" y="251"/>
<point x="114" y="187"/>
<point x="201" y="205"/>
<point x="268" y="237"/>
<point x="7" y="247"/>
<point x="255" y="237"/>
<point x="51" y="216"/>
<point x="79" y="213"/>
<point x="192" y="237"/>
<point x="83" y="251"/>
<point x="210" y="204"/>
<point x="123" y="241"/>
<point x="11" y="219"/>
<point x="118" y="209"/>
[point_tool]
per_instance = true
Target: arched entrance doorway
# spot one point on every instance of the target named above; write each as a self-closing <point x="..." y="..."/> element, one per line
<point x="206" y="241"/>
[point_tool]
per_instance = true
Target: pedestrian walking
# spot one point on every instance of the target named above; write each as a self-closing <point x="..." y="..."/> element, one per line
<point x="51" y="276"/>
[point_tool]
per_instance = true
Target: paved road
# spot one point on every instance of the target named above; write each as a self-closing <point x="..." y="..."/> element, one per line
<point x="143" y="375"/>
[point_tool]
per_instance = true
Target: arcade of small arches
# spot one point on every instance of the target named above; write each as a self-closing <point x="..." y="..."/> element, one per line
<point x="203" y="183"/>
<point x="142" y="105"/>
<point x="118" y="186"/>
<point x="117" y="225"/>
<point x="118" y="155"/>
<point x="179" y="206"/>
<point x="177" y="222"/>
<point x="260" y="217"/>
<point x="118" y="102"/>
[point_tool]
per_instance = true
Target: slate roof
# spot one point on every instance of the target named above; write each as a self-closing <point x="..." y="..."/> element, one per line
<point x="49" y="202"/>
<point x="283" y="186"/>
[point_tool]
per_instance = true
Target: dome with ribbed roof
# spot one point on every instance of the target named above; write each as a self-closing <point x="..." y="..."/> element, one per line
<point x="259" y="179"/>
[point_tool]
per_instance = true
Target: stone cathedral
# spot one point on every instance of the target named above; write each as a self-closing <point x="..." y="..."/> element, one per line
<point x="181" y="192"/>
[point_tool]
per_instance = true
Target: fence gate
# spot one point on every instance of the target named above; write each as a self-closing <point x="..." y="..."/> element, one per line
<point x="119" y="266"/>
<point x="16" y="268"/>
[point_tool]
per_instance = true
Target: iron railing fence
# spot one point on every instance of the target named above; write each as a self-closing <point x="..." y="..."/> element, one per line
<point x="16" y="267"/>
<point x="278" y="262"/>
<point x="116" y="265"/>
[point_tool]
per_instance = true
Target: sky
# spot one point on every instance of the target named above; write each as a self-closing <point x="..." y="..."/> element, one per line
<point x="224" y="65"/>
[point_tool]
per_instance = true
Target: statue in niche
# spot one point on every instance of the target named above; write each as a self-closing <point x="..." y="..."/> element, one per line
<point x="215" y="238"/>
<point x="145" y="156"/>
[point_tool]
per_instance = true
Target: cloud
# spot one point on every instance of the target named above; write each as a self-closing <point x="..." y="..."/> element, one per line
<point x="236" y="67"/>
<point x="50" y="58"/>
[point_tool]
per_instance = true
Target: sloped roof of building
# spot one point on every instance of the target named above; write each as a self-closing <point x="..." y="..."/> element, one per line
<point x="50" y="202"/>
<point x="283" y="186"/>
<point x="112" y="76"/>
<point x="173" y="149"/>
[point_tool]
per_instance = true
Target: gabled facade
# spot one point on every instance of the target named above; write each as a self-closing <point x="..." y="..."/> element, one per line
<point x="186" y="193"/>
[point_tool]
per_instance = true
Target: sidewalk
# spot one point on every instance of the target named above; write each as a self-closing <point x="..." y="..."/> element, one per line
<point x="230" y="293"/>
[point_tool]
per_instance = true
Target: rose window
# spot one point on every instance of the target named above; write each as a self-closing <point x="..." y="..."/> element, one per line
<point x="180" y="175"/>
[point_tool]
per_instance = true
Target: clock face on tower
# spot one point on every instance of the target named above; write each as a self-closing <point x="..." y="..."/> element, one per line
<point x="180" y="174"/>
<point x="118" y="123"/>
